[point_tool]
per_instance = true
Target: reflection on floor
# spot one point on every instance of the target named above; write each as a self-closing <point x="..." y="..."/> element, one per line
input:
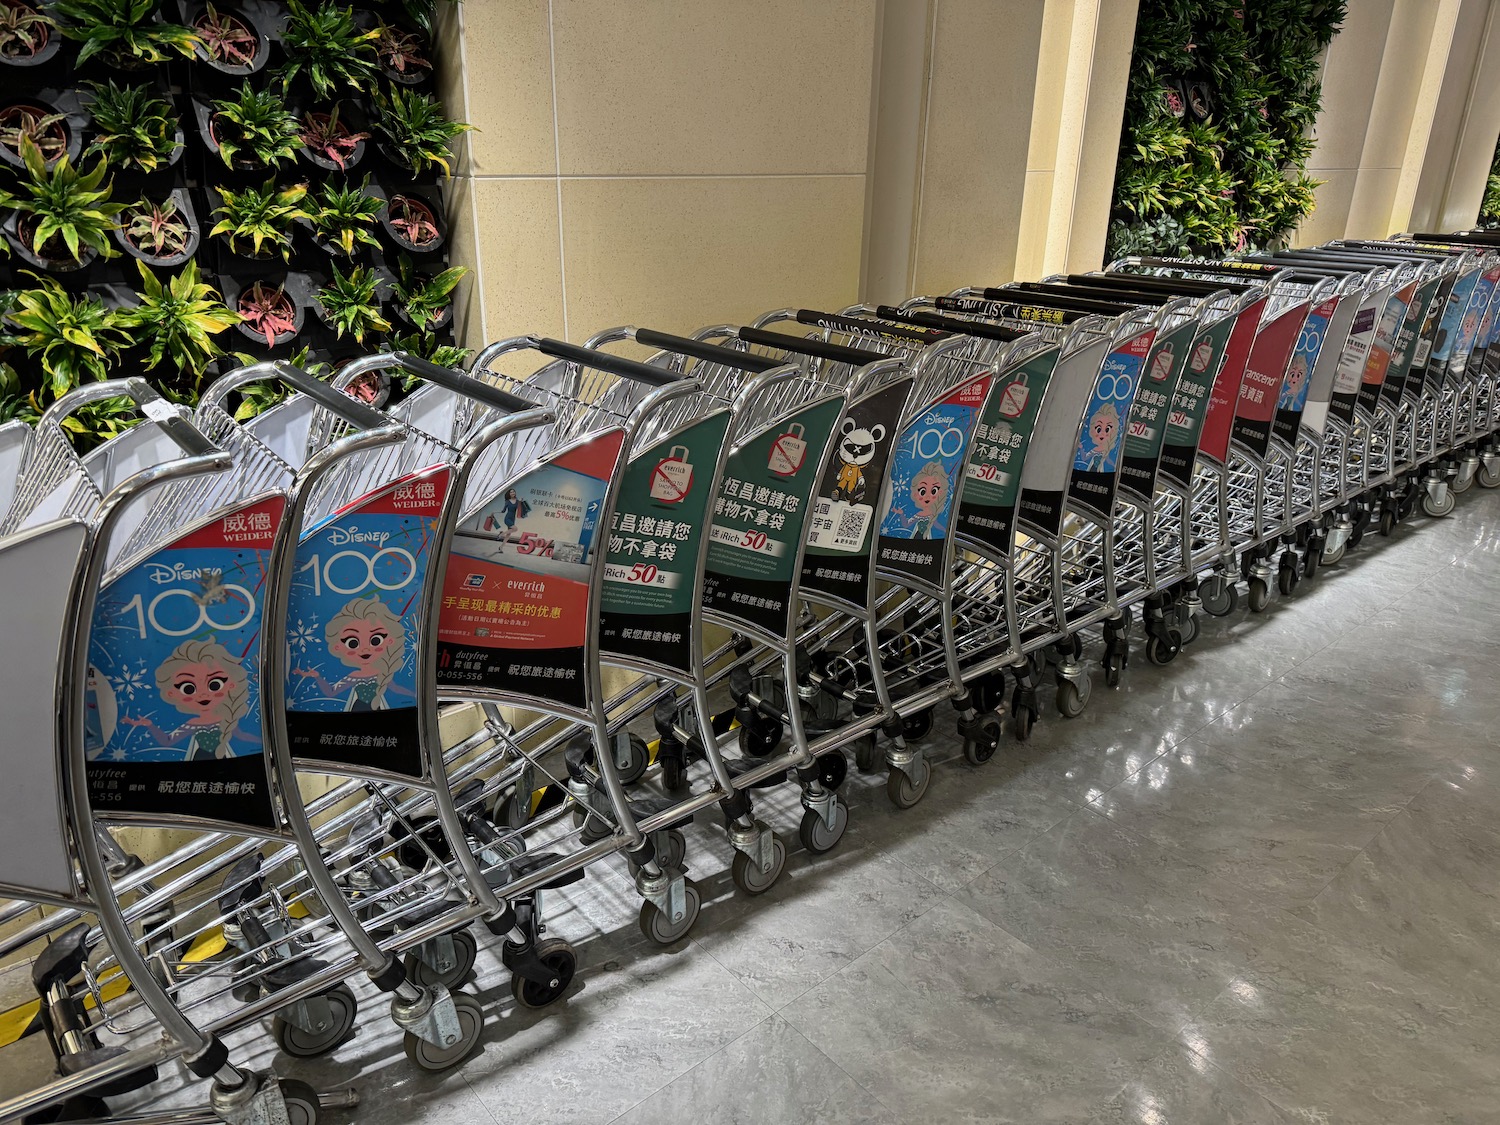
<point x="1261" y="884"/>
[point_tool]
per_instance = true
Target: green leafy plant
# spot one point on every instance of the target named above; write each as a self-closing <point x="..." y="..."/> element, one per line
<point x="226" y="38"/>
<point x="267" y="311"/>
<point x="328" y="45"/>
<point x="1489" y="207"/>
<point x="75" y="337"/>
<point x="257" y="125"/>
<point x="132" y="125"/>
<point x="48" y="131"/>
<point x="158" y="229"/>
<point x="124" y="32"/>
<point x="24" y="30"/>
<point x="416" y="128"/>
<point x="426" y="296"/>
<point x="1235" y="180"/>
<point x="261" y="216"/>
<point x="425" y="345"/>
<point x="400" y="51"/>
<point x="180" y="318"/>
<point x="345" y="216"/>
<point x="328" y="137"/>
<point x="67" y="207"/>
<point x="349" y="303"/>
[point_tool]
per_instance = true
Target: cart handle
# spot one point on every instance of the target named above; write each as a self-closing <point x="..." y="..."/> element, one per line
<point x="841" y="323"/>
<point x="451" y="380"/>
<point x="953" y="324"/>
<point x="1234" y="268"/>
<point x="1031" y="311"/>
<point x="351" y="410"/>
<point x="818" y="349"/>
<point x="603" y="361"/>
<point x="171" y="419"/>
<point x="709" y="353"/>
<point x="1032" y="293"/>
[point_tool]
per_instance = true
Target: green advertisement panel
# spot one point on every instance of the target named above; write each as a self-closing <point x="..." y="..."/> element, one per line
<point x="1191" y="397"/>
<point x="654" y="539"/>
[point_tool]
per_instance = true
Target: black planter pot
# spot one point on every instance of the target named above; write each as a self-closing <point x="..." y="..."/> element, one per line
<point x="261" y="19"/>
<point x="189" y="214"/>
<point x="48" y="65"/>
<point x="241" y="169"/>
<point x="234" y="255"/>
<point x="424" y="196"/>
<point x="49" y="102"/>
<point x="353" y="118"/>
<point x="63" y="269"/>
<point x="298" y="290"/>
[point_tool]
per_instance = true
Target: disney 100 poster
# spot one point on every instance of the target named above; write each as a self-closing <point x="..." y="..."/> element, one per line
<point x="1097" y="454"/>
<point x="172" y="719"/>
<point x="353" y="628"/>
<point x="926" y="467"/>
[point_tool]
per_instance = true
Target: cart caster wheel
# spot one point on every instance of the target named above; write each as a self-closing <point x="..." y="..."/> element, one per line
<point x="1487" y="478"/>
<point x="987" y="692"/>
<point x="465" y="949"/>
<point x="1310" y="560"/>
<point x="906" y="792"/>
<point x="673" y="853"/>
<point x="1259" y="595"/>
<point x="80" y="1107"/>
<point x="1461" y="483"/>
<point x="1021" y="721"/>
<point x="1332" y="555"/>
<point x="1164" y="649"/>
<point x="917" y="726"/>
<point x="301" y="1101"/>
<point x="435" y="1059"/>
<point x="759" y="740"/>
<point x="867" y="756"/>
<point x="561" y="960"/>
<point x="748" y="876"/>
<point x="1286" y="580"/>
<point x="672" y="774"/>
<point x="1355" y="537"/>
<point x="1387" y="522"/>
<point x="631" y="756"/>
<point x="513" y="810"/>
<point x="301" y="1044"/>
<point x="661" y="929"/>
<point x="1190" y="629"/>
<point x="1072" y="698"/>
<point x="818" y="837"/>
<point x="1219" y="597"/>
<point x="982" y="748"/>
<point x="833" y="768"/>
<point x="1437" y="509"/>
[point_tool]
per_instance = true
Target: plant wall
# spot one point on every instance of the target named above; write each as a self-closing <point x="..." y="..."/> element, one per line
<point x="1218" y="117"/>
<point x="1489" y="207"/>
<point x="187" y="185"/>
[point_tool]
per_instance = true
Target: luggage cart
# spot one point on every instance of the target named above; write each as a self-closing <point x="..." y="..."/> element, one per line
<point x="61" y="537"/>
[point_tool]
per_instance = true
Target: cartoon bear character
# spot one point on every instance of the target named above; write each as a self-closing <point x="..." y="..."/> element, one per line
<point x="856" y="449"/>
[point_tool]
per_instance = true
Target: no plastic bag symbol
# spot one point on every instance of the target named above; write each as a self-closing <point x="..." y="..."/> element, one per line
<point x="672" y="479"/>
<point x="1013" y="400"/>
<point x="788" y="451"/>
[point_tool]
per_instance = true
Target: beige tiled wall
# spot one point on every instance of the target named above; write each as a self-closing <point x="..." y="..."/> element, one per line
<point x="656" y="161"/>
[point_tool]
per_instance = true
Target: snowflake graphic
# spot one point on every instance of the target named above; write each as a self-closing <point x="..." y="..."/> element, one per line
<point x="118" y="755"/>
<point x="131" y="681"/>
<point x="303" y="635"/>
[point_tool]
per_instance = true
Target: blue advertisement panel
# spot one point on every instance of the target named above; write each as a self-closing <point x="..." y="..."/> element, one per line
<point x="1096" y="455"/>
<point x="1292" y="399"/>
<point x="353" y="627"/>
<point x="172" y="723"/>
<point x="927" y="465"/>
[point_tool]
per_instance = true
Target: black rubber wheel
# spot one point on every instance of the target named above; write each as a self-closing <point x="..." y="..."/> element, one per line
<point x="987" y="692"/>
<point x="918" y="725"/>
<point x="867" y="755"/>
<point x="1387" y="521"/>
<point x="818" y="837"/>
<point x="1021" y="721"/>
<point x="661" y="929"/>
<point x="1218" y="596"/>
<point x="833" y="768"/>
<point x="760" y="738"/>
<point x="631" y="757"/>
<point x="435" y="1059"/>
<point x="429" y="831"/>
<point x="1114" y="664"/>
<point x="1071" y="698"/>
<point x="748" y="876"/>
<point x="1259" y="595"/>
<point x="1286" y="580"/>
<point x="1311" y="557"/>
<point x="1190" y="628"/>
<point x="906" y="792"/>
<point x="301" y="1044"/>
<point x="301" y="1101"/>
<point x="561" y="960"/>
<point x="673" y="774"/>
<point x="1163" y="649"/>
<point x="465" y="949"/>
<point x="513" y="810"/>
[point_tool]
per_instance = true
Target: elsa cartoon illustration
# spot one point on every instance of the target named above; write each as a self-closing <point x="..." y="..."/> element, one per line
<point x="928" y="491"/>
<point x="203" y="681"/>
<point x="1099" y="437"/>
<point x="1296" y="379"/>
<point x="370" y="639"/>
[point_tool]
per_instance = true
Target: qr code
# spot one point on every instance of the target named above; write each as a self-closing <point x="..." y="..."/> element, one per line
<point x="852" y="523"/>
<point x="838" y="525"/>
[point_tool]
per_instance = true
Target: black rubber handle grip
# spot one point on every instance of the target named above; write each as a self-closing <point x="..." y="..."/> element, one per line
<point x="465" y="385"/>
<point x="171" y="419"/>
<point x="1143" y="282"/>
<point x="1059" y="301"/>
<point x="1009" y="310"/>
<point x="1463" y="238"/>
<point x="803" y="346"/>
<point x="1230" y="269"/>
<point x="347" y="407"/>
<point x="709" y="353"/>
<point x="840" y="323"/>
<point x="603" y="361"/>
<point x="1085" y="292"/>
<point x="950" y="324"/>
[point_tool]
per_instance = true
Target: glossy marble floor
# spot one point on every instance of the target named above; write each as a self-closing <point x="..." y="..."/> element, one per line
<point x="1260" y="885"/>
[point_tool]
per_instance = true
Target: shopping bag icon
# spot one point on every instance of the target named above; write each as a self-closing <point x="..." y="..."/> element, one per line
<point x="788" y="451"/>
<point x="672" y="478"/>
<point x="1013" y="400"/>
